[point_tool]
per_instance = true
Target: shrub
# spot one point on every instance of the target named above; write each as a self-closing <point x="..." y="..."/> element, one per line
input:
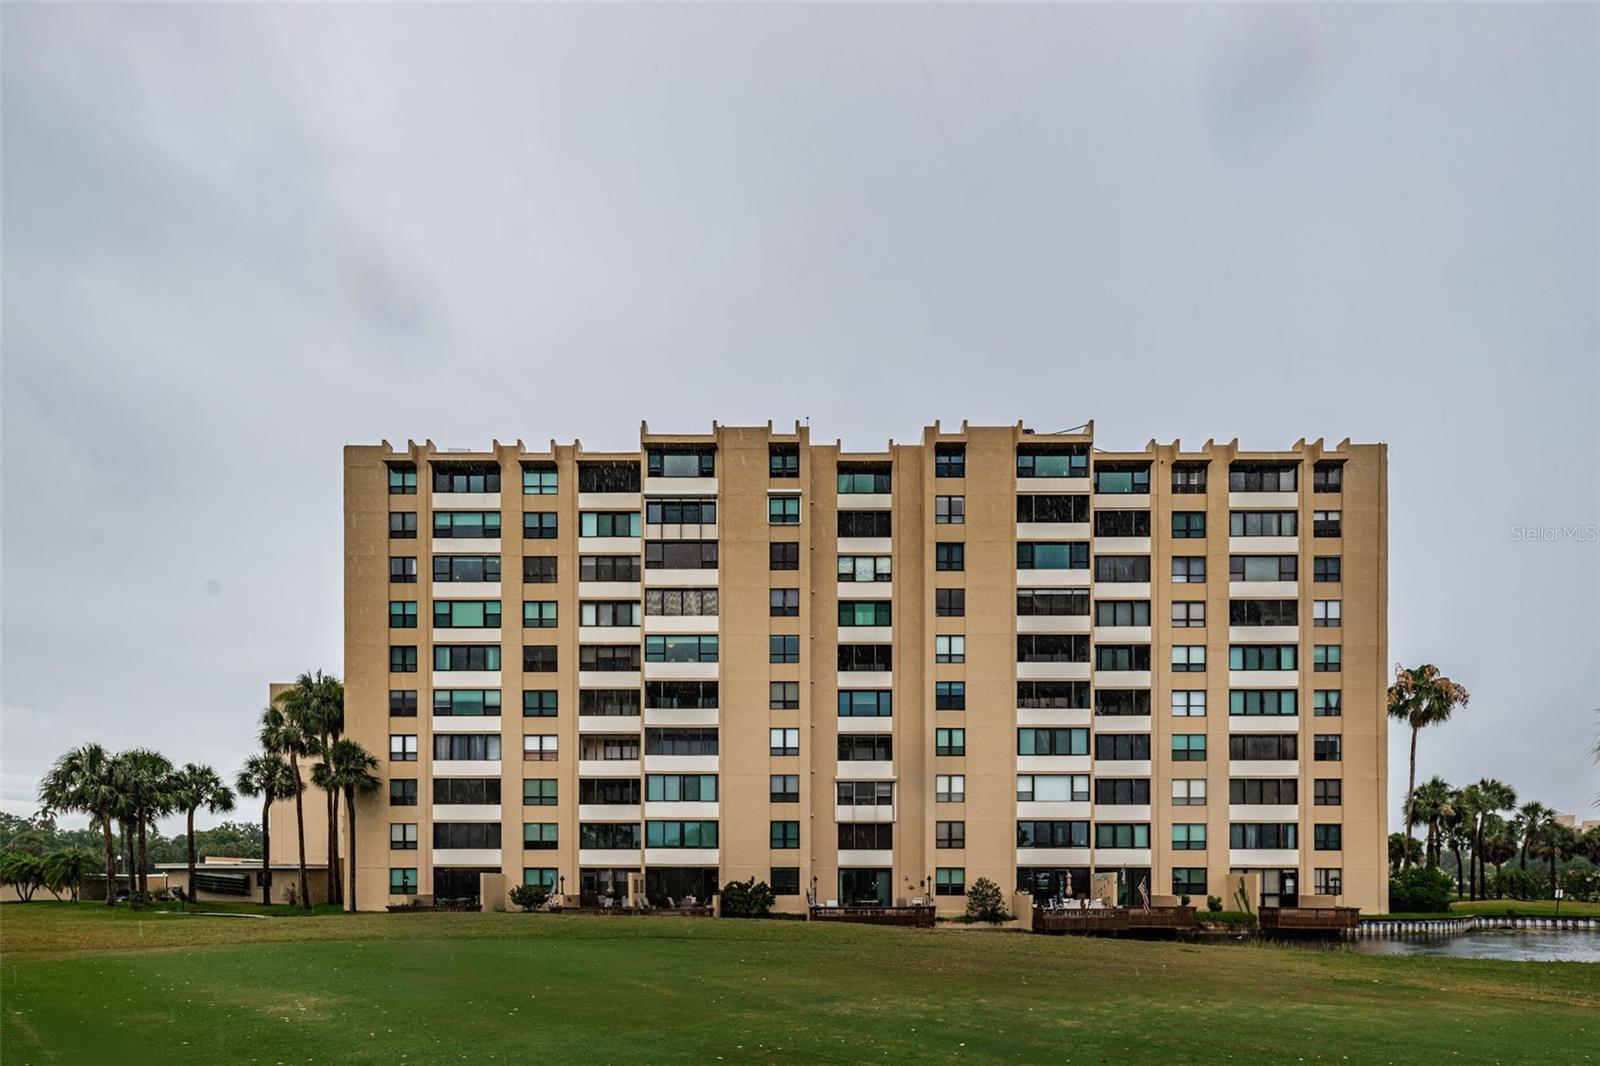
<point x="747" y="899"/>
<point x="984" y="902"/>
<point x="1420" y="890"/>
<point x="1214" y="904"/>
<point x="1183" y="900"/>
<point x="24" y="870"/>
<point x="1522" y="884"/>
<point x="530" y="897"/>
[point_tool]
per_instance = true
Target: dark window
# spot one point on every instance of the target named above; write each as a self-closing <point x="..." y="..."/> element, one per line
<point x="1053" y="460"/>
<point x="1327" y="747"/>
<point x="1327" y="837"/>
<point x="1264" y="790"/>
<point x="466" y="790"/>
<point x="1188" y="478"/>
<point x="466" y="477"/>
<point x="680" y="741"/>
<point x="1255" y="476"/>
<point x="623" y="658"/>
<point x="949" y="460"/>
<point x="539" y="703"/>
<point x="1054" y="509"/>
<point x="466" y="656"/>
<point x="402" y="793"/>
<point x="1054" y="648"/>
<point x="1263" y="568"/>
<point x="870" y="477"/>
<point x="866" y="747"/>
<point x="950" y="695"/>
<point x="1122" y="568"/>
<point x="680" y="555"/>
<point x="783" y="788"/>
<point x="866" y="836"/>
<point x="1188" y="525"/>
<point x="1189" y="881"/>
<point x="402" y="479"/>
<point x="1264" y="746"/>
<point x="1327" y="792"/>
<point x="1122" y="835"/>
<point x="1121" y="656"/>
<point x="1122" y="747"/>
<point x="402" y="525"/>
<point x="608" y="568"/>
<point x="1054" y="741"/>
<point x="620" y="836"/>
<point x="680" y="512"/>
<point x="877" y="657"/>
<point x="1326" y="568"/>
<point x="1270" y="835"/>
<point x="681" y="461"/>
<point x="785" y="836"/>
<point x="1052" y="603"/>
<point x="1114" y="478"/>
<point x="864" y="524"/>
<point x="1327" y="524"/>
<point x="949" y="603"/>
<point x="1264" y="612"/>
<point x="949" y="556"/>
<point x="403" y="660"/>
<point x="539" y="525"/>
<point x="950" y="834"/>
<point x="785" y="880"/>
<point x="1040" y="834"/>
<point x="608" y="791"/>
<point x="612" y="702"/>
<point x="608" y="477"/>
<point x="1052" y="694"/>
<point x="448" y="568"/>
<point x="1122" y="702"/>
<point x="784" y="648"/>
<point x="469" y="524"/>
<point x="540" y="659"/>
<point x="865" y="793"/>
<point x="783" y="460"/>
<point x="783" y="695"/>
<point x="784" y="555"/>
<point x="865" y="703"/>
<point x="1327" y="477"/>
<point x="403" y="569"/>
<point x="1122" y="523"/>
<point x="403" y="703"/>
<point x="1261" y="657"/>
<point x="1045" y="555"/>
<point x="784" y="603"/>
<point x="1122" y="790"/>
<point x="681" y="695"/>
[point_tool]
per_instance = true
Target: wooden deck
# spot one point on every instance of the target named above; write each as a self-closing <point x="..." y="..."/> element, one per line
<point x="1112" y="919"/>
<point x="920" y="917"/>
<point x="1309" y="919"/>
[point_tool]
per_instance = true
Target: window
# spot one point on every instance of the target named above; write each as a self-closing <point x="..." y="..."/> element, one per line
<point x="1256" y="702"/>
<point x="541" y="659"/>
<point x="541" y="875"/>
<point x="1252" y="791"/>
<point x="402" y="479"/>
<point x="783" y="460"/>
<point x="611" y="792"/>
<point x="949" y="460"/>
<point x="1122" y="702"/>
<point x="866" y="747"/>
<point x="783" y="510"/>
<point x="1273" y="835"/>
<point x="608" y="524"/>
<point x="620" y="836"/>
<point x="950" y="695"/>
<point x="783" y="742"/>
<point x="1054" y="741"/>
<point x="1327" y="477"/>
<point x="1263" y="568"/>
<point x="599" y="613"/>
<point x="950" y="881"/>
<point x="785" y="880"/>
<point x="785" y="603"/>
<point x="403" y="836"/>
<point x="1118" y="656"/>
<point x="472" y="525"/>
<point x="674" y="603"/>
<point x="466" y="702"/>
<point x="539" y="836"/>
<point x="1053" y="510"/>
<point x="681" y="461"/>
<point x="858" y="478"/>
<point x="1264" y="612"/>
<point x="1189" y="703"/>
<point x="949" y="741"/>
<point x="1261" y="657"/>
<point x="783" y="649"/>
<point x="864" y="568"/>
<point x="866" y="837"/>
<point x="1327" y="881"/>
<point x="402" y="525"/>
<point x="877" y="658"/>
<point x="538" y="703"/>
<point x="1053" y="460"/>
<point x="1188" y="525"/>
<point x="865" y="793"/>
<point x="538" y="479"/>
<point x="466" y="614"/>
<point x="950" y="835"/>
<point x="608" y="568"/>
<point x="1188" y="658"/>
<point x="402" y="881"/>
<point x="865" y="703"/>
<point x="539" y="525"/>
<point x="1327" y="837"/>
<point x="466" y="477"/>
<point x="475" y="747"/>
<point x="1263" y="523"/>
<point x="538" y="792"/>
<point x="1054" y="603"/>
<point x="675" y="694"/>
<point x="785" y="836"/>
<point x="1042" y="834"/>
<point x="864" y="524"/>
<point x="1326" y="568"/>
<point x="1188" y="747"/>
<point x="1052" y="788"/>
<point x="784" y="555"/>
<point x="1122" y="568"/>
<point x="403" y="659"/>
<point x="1327" y="703"/>
<point x="1053" y="694"/>
<point x="1264" y="746"/>
<point x="1327" y="792"/>
<point x="1188" y="478"/>
<point x="1326" y="614"/>
<point x="949" y="649"/>
<point x="449" y="568"/>
<point x="403" y="703"/>
<point x="1188" y="614"/>
<point x="1326" y="658"/>
<point x="1122" y="523"/>
<point x="783" y="788"/>
<point x="949" y="603"/>
<point x="1122" y="791"/>
<point x="403" y="747"/>
<point x="950" y="788"/>
<point x="681" y="649"/>
<point x="402" y="614"/>
<point x="680" y="555"/>
<point x="854" y="613"/>
<point x="1121" y="612"/>
<point x="1122" y="478"/>
<point x="1189" y="836"/>
<point x="403" y="569"/>
<point x="949" y="510"/>
<point x="1327" y="747"/>
<point x="783" y="695"/>
<point x="677" y="511"/>
<point x="1189" y="881"/>
<point x="949" y="556"/>
<point x="1067" y="555"/>
<point x="1189" y="792"/>
<point x="540" y="747"/>
<point x="1327" y="524"/>
<point x="1188" y="569"/>
<point x="682" y="741"/>
<point x="1255" y="476"/>
<point x="680" y="788"/>
<point x="402" y="793"/>
<point x="1122" y="747"/>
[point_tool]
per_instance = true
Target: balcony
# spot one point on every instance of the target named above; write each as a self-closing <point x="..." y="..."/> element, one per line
<point x="609" y="768"/>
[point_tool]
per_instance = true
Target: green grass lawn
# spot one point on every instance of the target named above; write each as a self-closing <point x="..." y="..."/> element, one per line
<point x="1527" y="908"/>
<point x="82" y="983"/>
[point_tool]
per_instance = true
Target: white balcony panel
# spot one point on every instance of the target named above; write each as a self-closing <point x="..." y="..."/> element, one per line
<point x="864" y="771"/>
<point x="609" y="724"/>
<point x="694" y="810"/>
<point x="1123" y="857"/>
<point x="1051" y="764"/>
<point x="681" y="671"/>
<point x="1263" y="678"/>
<point x="682" y="856"/>
<point x="467" y="767"/>
<point x="1263" y="545"/>
<point x="1263" y="501"/>
<point x="1263" y="723"/>
<point x="849" y="857"/>
<point x="1053" y="671"/>
<point x="608" y="768"/>
<point x="1053" y="531"/>
<point x="1285" y="858"/>
<point x="613" y="857"/>
<point x="1037" y="485"/>
<point x="608" y="501"/>
<point x="1054" y="716"/>
<point x="1053" y="623"/>
<point x="1263" y="812"/>
<point x="680" y="486"/>
<point x="1053" y="857"/>
<point x="1053" y="579"/>
<point x="466" y="679"/>
<point x="680" y="531"/>
<point x="610" y="635"/>
<point x="865" y="501"/>
<point x="866" y="679"/>
<point x="1126" y="590"/>
<point x="1264" y="590"/>
<point x="1122" y="723"/>
<point x="866" y="634"/>
<point x="609" y="812"/>
<point x="464" y="636"/>
<point x="1131" y="768"/>
<point x="680" y="764"/>
<point x="1264" y="767"/>
<point x="863" y="724"/>
<point x="464" y="545"/>
<point x="464" y="501"/>
<point x="610" y="545"/>
<point x="1122" y="635"/>
<point x="866" y="545"/>
<point x="706" y="624"/>
<point x="1065" y="811"/>
<point x="682" y="579"/>
<point x="1122" y="545"/>
<point x="1122" y="501"/>
<point x="610" y="590"/>
<point x="866" y="590"/>
<point x="1263" y="634"/>
<point x="465" y="590"/>
<point x="466" y="812"/>
<point x="674" y="716"/>
<point x="466" y="857"/>
<point x="610" y="679"/>
<point x="462" y="723"/>
<point x="1122" y="679"/>
<point x="853" y="814"/>
<point x="1122" y="812"/>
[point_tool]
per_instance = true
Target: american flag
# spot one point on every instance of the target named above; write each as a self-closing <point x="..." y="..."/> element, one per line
<point x="1144" y="894"/>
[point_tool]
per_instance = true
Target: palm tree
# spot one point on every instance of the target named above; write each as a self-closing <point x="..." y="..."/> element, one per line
<point x="1431" y="802"/>
<point x="1498" y="846"/>
<point x="1419" y="697"/>
<point x="1399" y="845"/>
<point x="269" y="777"/>
<point x="1492" y="797"/>
<point x="348" y="769"/>
<point x="287" y="728"/>
<point x="322" y="698"/>
<point x="1455" y="834"/>
<point x="146" y="782"/>
<point x="197" y="786"/>
<point x="1530" y="816"/>
<point x="83" y="780"/>
<point x="67" y="869"/>
<point x="1557" y="843"/>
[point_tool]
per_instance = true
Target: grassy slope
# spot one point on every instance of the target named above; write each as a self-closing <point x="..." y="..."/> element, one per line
<point x="84" y="984"/>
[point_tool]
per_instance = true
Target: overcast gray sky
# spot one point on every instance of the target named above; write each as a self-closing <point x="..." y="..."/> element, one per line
<point x="238" y="237"/>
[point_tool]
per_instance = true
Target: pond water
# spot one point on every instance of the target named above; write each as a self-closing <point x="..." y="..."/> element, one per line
<point x="1513" y="945"/>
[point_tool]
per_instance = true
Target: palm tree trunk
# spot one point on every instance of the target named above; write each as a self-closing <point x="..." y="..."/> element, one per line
<point x="144" y="857"/>
<point x="1460" y="869"/>
<point x="1405" y="861"/>
<point x="111" y="859"/>
<point x="335" y="879"/>
<point x="1552" y="871"/>
<point x="1523" y="860"/>
<point x="127" y="852"/>
<point x="190" y="893"/>
<point x="350" y="819"/>
<point x="300" y="825"/>
<point x="266" y="849"/>
<point x="1477" y="854"/>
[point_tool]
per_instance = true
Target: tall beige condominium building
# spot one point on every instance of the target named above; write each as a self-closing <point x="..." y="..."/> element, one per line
<point x="869" y="676"/>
